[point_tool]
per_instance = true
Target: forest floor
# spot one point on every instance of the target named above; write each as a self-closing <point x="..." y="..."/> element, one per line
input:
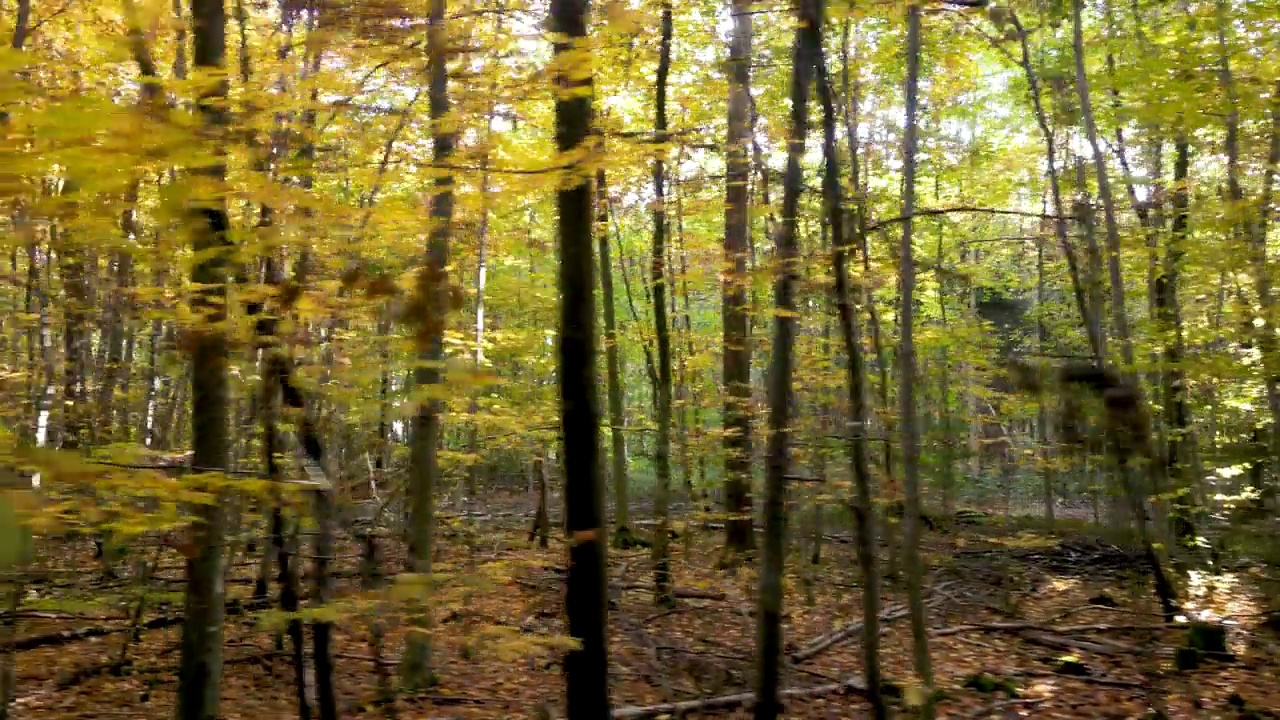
<point x="1010" y="612"/>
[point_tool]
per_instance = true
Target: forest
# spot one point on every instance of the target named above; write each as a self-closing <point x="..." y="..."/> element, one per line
<point x="639" y="359"/>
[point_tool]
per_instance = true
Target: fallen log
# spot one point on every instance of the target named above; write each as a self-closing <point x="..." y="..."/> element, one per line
<point x="729" y="702"/>
<point x="1065" y="643"/>
<point x="64" y="637"/>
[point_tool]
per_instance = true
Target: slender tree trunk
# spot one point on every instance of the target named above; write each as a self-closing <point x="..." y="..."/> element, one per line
<point x="541" y="518"/>
<point x="200" y="671"/>
<point x="858" y="177"/>
<point x="769" y="615"/>
<point x="433" y="298"/>
<point x="482" y="270"/>
<point x="1055" y="189"/>
<point x="1042" y="413"/>
<point x="663" y="594"/>
<point x="863" y="504"/>
<point x="586" y="667"/>
<point x="614" y="370"/>
<point x="739" y="537"/>
<point x="1168" y="314"/>
<point x="1119" y="316"/>
<point x="907" y="372"/>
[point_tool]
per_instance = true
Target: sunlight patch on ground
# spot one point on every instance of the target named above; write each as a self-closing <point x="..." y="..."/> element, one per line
<point x="1063" y="584"/>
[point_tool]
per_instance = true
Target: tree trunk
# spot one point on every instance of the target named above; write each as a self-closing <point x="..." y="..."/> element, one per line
<point x="614" y="370"/>
<point x="1055" y="189"/>
<point x="907" y="372"/>
<point x="1253" y="228"/>
<point x="541" y="519"/>
<point x="433" y="301"/>
<point x="200" y="671"/>
<point x="739" y="536"/>
<point x="1042" y="413"/>
<point x="1169" y="316"/>
<point x="769" y="616"/>
<point x="1136" y="494"/>
<point x="863" y="504"/>
<point x="861" y="216"/>
<point x="586" y="667"/>
<point x="1119" y="316"/>
<point x="663" y="594"/>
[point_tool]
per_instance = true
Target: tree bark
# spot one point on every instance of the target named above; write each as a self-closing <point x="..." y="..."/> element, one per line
<point x="1119" y="316"/>
<point x="586" y="667"/>
<point x="769" y="616"/>
<point x="907" y="372"/>
<point x="433" y="289"/>
<point x="200" y="672"/>
<point x="658" y="268"/>
<point x="614" y="371"/>
<point x="855" y="376"/>
<point x="739" y="537"/>
<point x="1169" y="316"/>
<point x="1055" y="189"/>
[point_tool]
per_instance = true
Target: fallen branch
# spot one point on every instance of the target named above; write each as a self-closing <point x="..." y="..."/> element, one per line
<point x="825" y="642"/>
<point x="831" y="639"/>
<point x="1018" y="627"/>
<point x="1066" y="643"/>
<point x="64" y="637"/>
<point x="729" y="702"/>
<point x="681" y="593"/>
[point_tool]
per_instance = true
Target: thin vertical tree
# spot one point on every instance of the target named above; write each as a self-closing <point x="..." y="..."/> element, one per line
<point x="739" y="537"/>
<point x="586" y="667"/>
<point x="613" y="372"/>
<point x="432" y="306"/>
<point x="663" y="593"/>
<point x="907" y="372"/>
<point x="855" y="382"/>
<point x="769" y="615"/>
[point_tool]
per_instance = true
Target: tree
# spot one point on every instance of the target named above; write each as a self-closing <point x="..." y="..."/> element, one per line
<point x="855" y="382"/>
<point x="907" y="372"/>
<point x="658" y="271"/>
<point x="769" y="613"/>
<point x="432" y="307"/>
<point x="586" y="667"/>
<point x="613" y="371"/>
<point x="200" y="675"/>
<point x="734" y="309"/>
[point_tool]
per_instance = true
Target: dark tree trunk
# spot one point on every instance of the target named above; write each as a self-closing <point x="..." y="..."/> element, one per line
<point x="855" y="377"/>
<point x="737" y="341"/>
<point x="663" y="594"/>
<point x="907" y="373"/>
<point x="586" y="668"/>
<point x="200" y="672"/>
<point x="769" y="615"/>
<point x="1168" y="314"/>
